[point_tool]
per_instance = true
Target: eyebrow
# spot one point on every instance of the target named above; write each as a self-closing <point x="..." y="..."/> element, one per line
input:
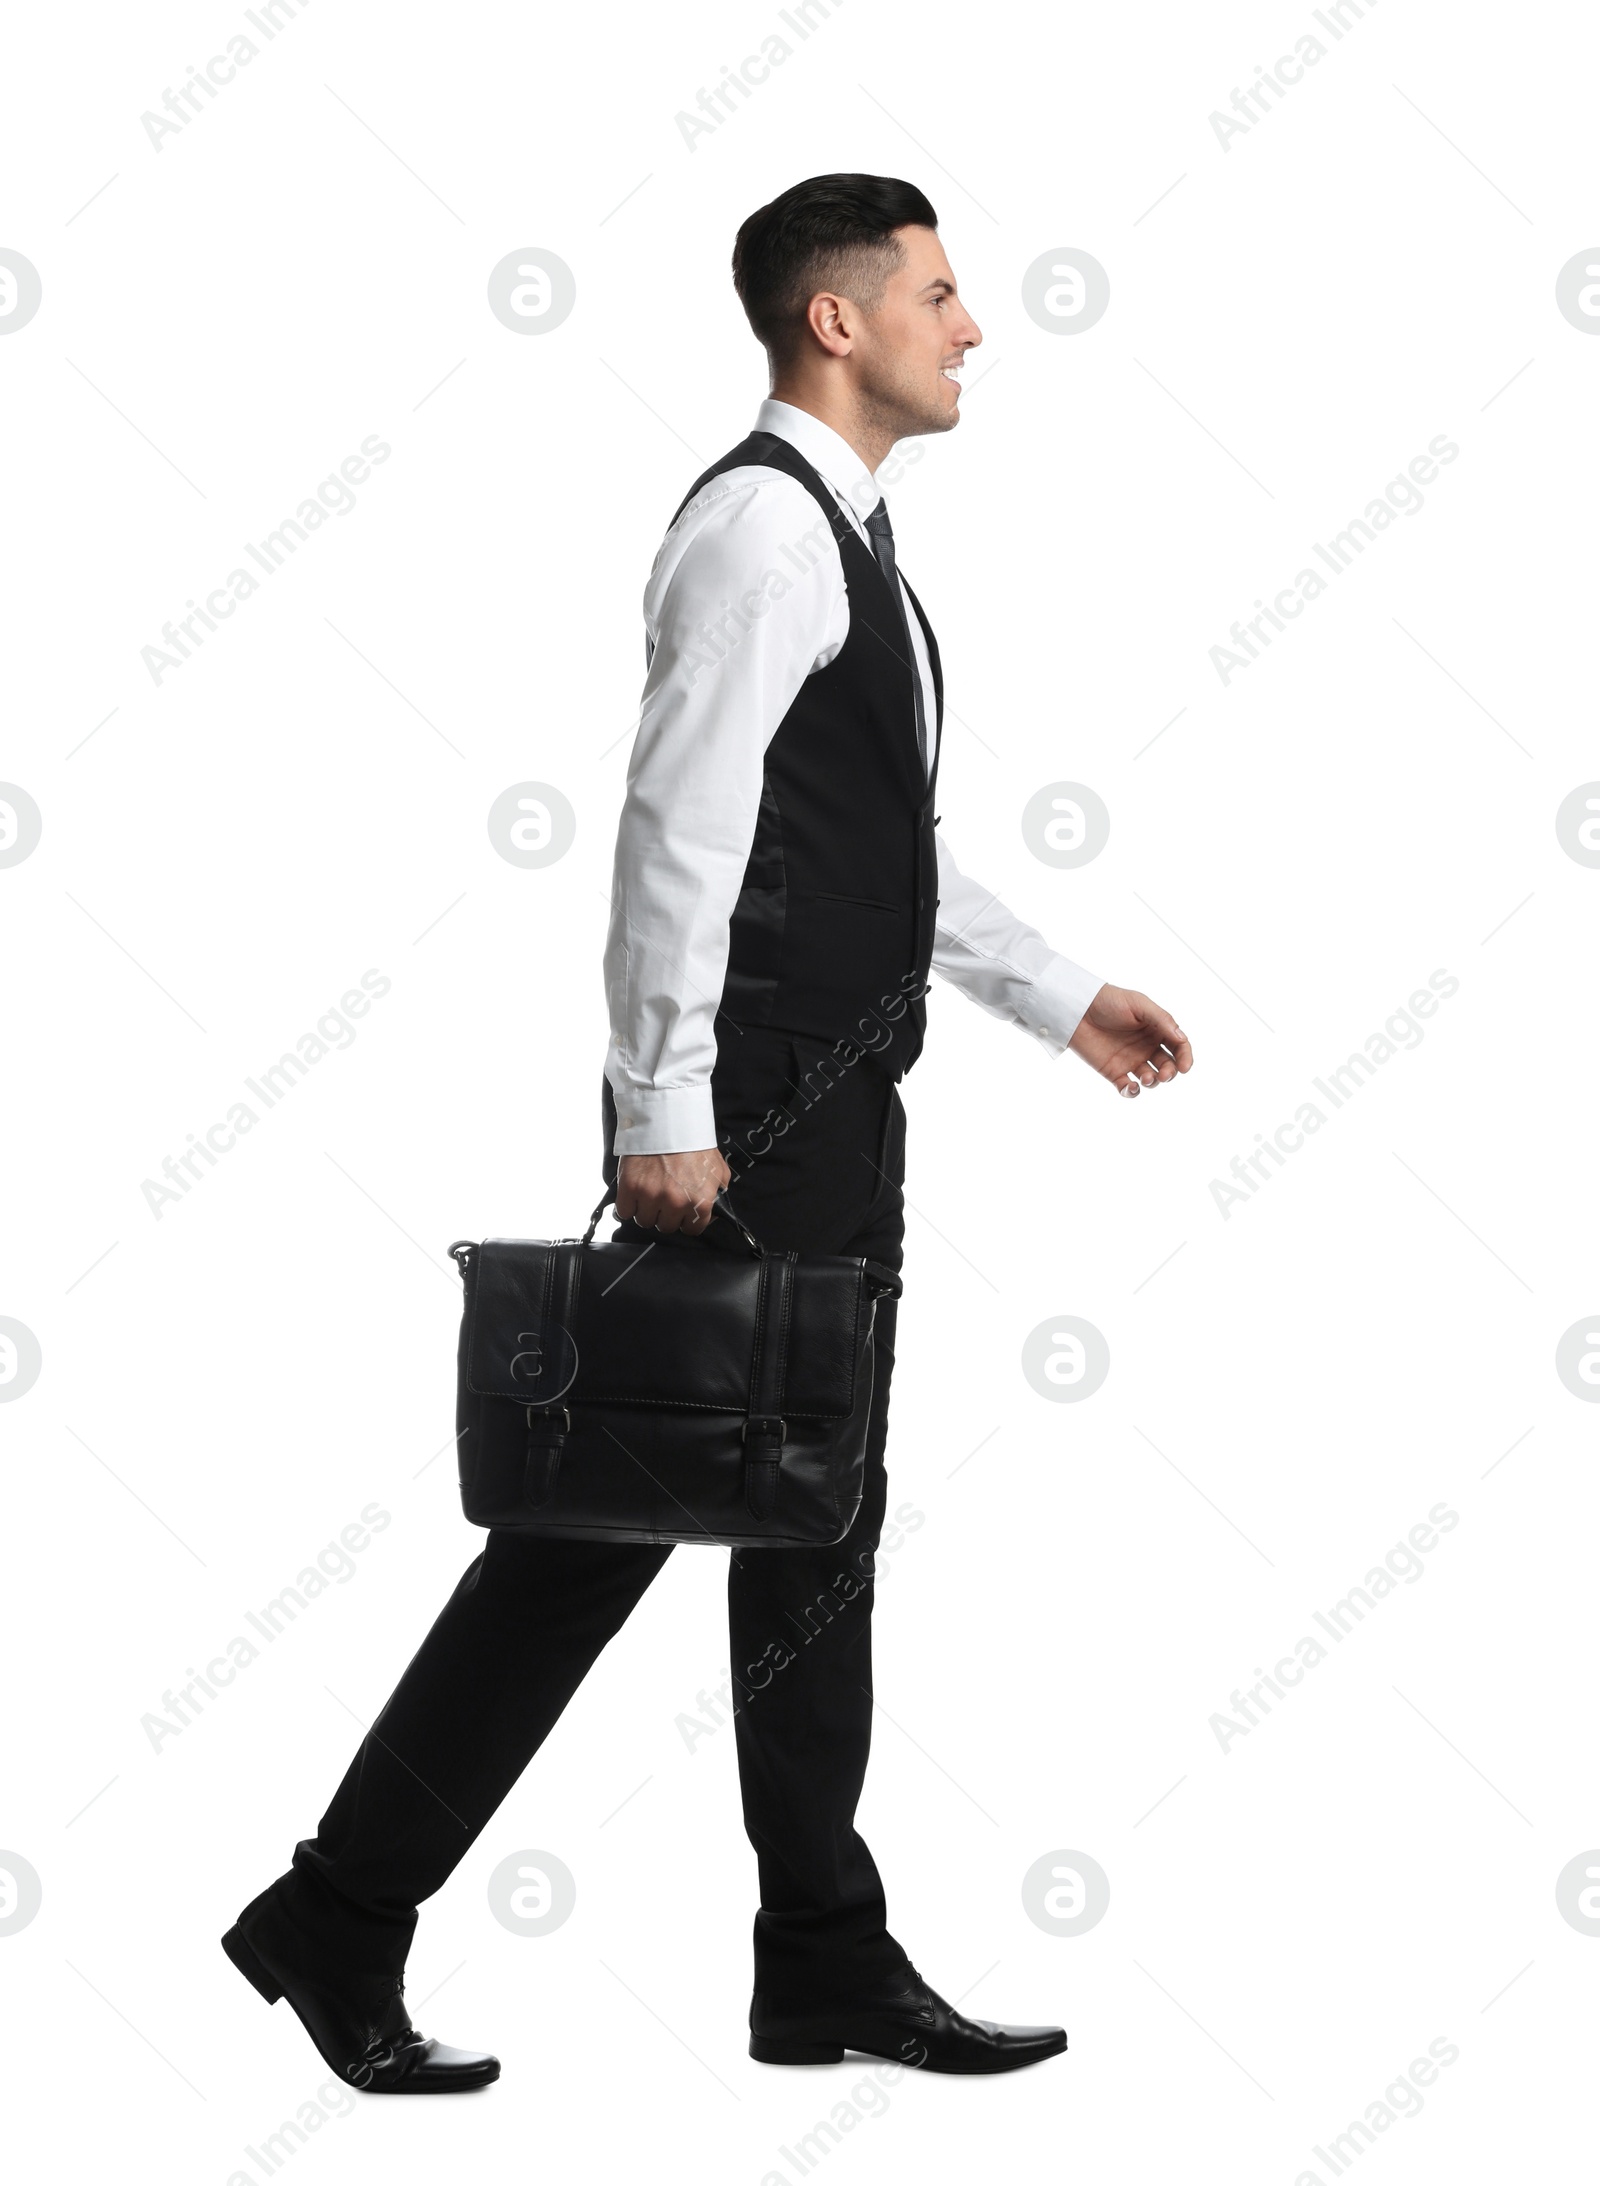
<point x="949" y="287"/>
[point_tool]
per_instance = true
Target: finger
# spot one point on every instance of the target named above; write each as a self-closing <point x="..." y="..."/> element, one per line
<point x="1172" y="1035"/>
<point x="1127" y="1085"/>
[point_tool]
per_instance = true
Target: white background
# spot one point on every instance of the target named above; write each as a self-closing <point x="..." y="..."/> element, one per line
<point x="1292" y="1388"/>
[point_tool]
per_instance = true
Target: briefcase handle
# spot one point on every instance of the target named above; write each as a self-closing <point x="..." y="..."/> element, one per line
<point x="720" y="1206"/>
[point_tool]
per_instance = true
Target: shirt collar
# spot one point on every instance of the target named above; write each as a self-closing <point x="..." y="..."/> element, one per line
<point x="825" y="450"/>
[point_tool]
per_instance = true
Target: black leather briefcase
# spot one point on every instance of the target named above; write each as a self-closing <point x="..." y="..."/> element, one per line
<point x="634" y="1391"/>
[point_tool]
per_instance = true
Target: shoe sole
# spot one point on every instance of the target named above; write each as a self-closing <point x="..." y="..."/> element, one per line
<point x="238" y="1949"/>
<point x="765" y="2051"/>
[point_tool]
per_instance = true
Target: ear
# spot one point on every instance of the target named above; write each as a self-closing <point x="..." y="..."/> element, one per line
<point x="832" y="320"/>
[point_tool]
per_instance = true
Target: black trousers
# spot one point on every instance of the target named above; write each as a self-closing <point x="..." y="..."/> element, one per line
<point x="817" y="1149"/>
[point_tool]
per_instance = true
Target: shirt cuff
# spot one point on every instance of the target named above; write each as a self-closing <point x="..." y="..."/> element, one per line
<point x="668" y="1119"/>
<point x="1057" y="999"/>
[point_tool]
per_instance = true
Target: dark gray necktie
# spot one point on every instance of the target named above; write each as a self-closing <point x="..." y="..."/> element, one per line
<point x="881" y="533"/>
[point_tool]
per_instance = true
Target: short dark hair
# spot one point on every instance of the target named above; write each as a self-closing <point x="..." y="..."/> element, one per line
<point x="834" y="231"/>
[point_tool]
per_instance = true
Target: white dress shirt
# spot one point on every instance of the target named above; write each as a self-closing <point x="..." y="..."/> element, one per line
<point x="724" y="670"/>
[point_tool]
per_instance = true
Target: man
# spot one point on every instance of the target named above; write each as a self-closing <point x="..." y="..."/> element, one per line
<point x="780" y="898"/>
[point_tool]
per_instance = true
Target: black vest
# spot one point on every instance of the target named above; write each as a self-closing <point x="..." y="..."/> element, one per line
<point x="832" y="933"/>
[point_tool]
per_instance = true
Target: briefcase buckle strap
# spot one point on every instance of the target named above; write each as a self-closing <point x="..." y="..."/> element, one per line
<point x="550" y="1424"/>
<point x="764" y="1438"/>
<point x="765" y="1431"/>
<point x="548" y="1430"/>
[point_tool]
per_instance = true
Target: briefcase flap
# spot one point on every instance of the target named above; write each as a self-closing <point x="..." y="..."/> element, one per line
<point x="662" y="1325"/>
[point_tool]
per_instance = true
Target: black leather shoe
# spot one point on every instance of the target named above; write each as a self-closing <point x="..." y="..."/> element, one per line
<point x="358" y="2021"/>
<point x="905" y="2020"/>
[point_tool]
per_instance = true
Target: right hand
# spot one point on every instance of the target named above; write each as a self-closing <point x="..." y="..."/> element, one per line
<point x="668" y="1192"/>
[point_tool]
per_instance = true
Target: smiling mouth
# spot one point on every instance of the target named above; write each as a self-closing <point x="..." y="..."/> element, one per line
<point x="952" y="373"/>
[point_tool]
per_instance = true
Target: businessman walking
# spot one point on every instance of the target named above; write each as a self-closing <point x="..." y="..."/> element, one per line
<point x="781" y="896"/>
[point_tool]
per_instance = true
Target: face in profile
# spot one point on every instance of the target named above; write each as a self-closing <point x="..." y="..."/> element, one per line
<point x="911" y="346"/>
